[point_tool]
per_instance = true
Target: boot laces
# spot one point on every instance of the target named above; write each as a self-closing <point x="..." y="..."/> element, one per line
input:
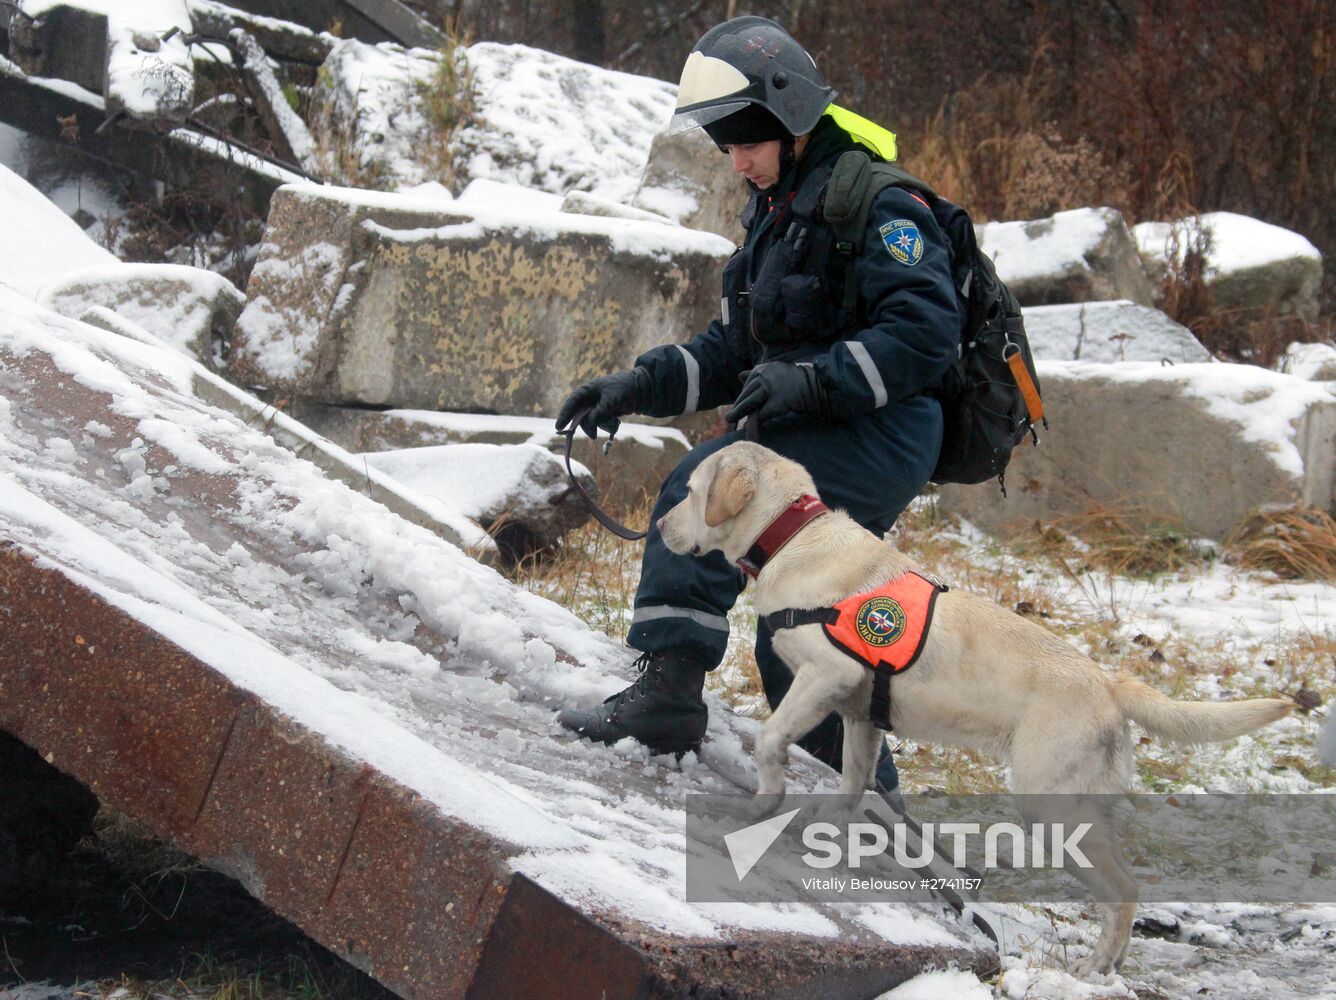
<point x="646" y="665"/>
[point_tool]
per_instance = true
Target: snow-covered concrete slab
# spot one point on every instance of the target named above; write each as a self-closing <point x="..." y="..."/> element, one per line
<point x="388" y="300"/>
<point x="424" y="511"/>
<point x="355" y="718"/>
<point x="637" y="463"/>
<point x="39" y="242"/>
<point x="1109" y="331"/>
<point x="189" y="308"/>
<point x="1200" y="445"/>
<point x="1083" y="255"/>
<point x="1250" y="264"/>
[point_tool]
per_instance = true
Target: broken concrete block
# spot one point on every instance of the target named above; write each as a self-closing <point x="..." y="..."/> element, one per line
<point x="633" y="468"/>
<point x="303" y="264"/>
<point x="548" y="122"/>
<point x="1083" y="255"/>
<point x="1199" y="445"/>
<point x="369" y="119"/>
<point x="532" y="119"/>
<point x="189" y="308"/>
<point x="493" y="312"/>
<point x="687" y="180"/>
<point x="1251" y="265"/>
<point x="1109" y="331"/>
<point x="519" y="493"/>
<point x="62" y="41"/>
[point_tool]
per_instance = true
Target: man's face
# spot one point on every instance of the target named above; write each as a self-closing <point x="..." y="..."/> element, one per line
<point x="757" y="161"/>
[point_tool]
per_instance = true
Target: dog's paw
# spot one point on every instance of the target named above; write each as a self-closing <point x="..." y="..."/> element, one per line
<point x="1090" y="967"/>
<point x="764" y="805"/>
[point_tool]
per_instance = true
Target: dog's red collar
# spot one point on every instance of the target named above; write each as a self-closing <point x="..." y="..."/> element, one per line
<point x="793" y="518"/>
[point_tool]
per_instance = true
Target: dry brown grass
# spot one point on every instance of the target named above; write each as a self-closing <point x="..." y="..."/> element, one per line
<point x="449" y="101"/>
<point x="1296" y="544"/>
<point x="1125" y="540"/>
<point x="995" y="149"/>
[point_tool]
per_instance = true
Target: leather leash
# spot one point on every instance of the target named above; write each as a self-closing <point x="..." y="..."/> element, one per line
<point x="600" y="515"/>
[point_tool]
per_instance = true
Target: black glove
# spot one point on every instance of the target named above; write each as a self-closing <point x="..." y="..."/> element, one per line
<point x="607" y="398"/>
<point x="776" y="388"/>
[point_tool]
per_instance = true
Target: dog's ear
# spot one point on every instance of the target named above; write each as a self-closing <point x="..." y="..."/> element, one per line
<point x="731" y="489"/>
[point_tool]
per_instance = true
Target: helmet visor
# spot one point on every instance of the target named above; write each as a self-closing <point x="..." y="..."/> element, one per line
<point x="686" y="120"/>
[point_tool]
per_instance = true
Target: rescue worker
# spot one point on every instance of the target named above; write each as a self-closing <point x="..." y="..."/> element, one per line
<point x="843" y="389"/>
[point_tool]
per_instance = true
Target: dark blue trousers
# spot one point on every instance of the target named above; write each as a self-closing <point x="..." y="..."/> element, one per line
<point x="871" y="467"/>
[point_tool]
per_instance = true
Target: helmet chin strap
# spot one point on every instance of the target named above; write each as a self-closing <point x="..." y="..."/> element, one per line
<point x="787" y="155"/>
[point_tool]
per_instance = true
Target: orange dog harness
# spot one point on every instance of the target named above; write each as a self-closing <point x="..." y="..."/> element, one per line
<point x="883" y="629"/>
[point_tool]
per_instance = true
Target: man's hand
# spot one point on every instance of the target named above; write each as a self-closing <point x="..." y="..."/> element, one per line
<point x="778" y="387"/>
<point x="607" y="398"/>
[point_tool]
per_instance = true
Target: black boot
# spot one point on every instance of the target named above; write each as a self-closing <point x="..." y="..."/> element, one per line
<point x="663" y="708"/>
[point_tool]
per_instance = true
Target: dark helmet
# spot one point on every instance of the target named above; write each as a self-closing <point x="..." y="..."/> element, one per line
<point x="750" y="61"/>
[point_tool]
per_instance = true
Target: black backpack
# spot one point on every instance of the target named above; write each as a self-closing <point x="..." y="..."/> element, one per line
<point x="990" y="394"/>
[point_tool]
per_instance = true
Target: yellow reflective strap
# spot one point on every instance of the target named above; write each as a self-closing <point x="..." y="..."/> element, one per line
<point x="869" y="133"/>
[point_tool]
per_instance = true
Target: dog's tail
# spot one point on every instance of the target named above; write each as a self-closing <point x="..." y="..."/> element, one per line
<point x="1193" y="721"/>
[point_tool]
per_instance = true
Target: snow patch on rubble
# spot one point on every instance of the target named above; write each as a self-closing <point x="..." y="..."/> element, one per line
<point x="1237" y="242"/>
<point x="37" y="240"/>
<point x="1265" y="405"/>
<point x="1024" y="251"/>
<point x="939" y="985"/>
<point x="548" y="122"/>
<point x="478" y="479"/>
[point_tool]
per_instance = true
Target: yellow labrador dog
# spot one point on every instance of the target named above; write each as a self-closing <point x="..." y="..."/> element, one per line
<point x="985" y="678"/>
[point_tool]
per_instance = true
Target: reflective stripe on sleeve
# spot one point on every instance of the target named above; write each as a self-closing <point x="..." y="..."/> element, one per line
<point x="653" y="612"/>
<point x="693" y="379"/>
<point x="869" y="370"/>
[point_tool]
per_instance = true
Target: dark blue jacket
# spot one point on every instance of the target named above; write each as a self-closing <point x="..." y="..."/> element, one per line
<point x="907" y="329"/>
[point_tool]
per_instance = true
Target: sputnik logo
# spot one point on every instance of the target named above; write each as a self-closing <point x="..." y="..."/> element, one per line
<point x="747" y="846"/>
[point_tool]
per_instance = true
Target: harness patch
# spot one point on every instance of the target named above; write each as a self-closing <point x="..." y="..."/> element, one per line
<point x="880" y="621"/>
<point x="870" y="626"/>
<point x="903" y="240"/>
